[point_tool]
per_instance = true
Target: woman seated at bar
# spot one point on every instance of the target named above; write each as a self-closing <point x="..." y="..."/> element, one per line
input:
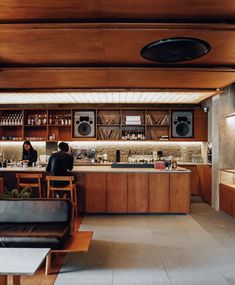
<point x="29" y="154"/>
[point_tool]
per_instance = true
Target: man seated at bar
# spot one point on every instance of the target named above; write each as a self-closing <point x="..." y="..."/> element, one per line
<point x="59" y="164"/>
<point x="29" y="154"/>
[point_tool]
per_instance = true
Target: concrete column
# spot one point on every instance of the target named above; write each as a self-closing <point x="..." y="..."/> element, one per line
<point x="215" y="128"/>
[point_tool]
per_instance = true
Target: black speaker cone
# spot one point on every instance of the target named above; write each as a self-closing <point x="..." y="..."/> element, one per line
<point x="175" y="50"/>
<point x="182" y="129"/>
<point x="84" y="129"/>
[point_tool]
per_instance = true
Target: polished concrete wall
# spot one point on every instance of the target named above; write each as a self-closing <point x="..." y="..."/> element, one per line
<point x="221" y="132"/>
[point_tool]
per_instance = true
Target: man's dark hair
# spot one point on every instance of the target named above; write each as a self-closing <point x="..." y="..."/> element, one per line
<point x="63" y="146"/>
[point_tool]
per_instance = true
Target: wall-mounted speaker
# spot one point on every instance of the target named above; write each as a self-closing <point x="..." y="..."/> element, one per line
<point x="84" y="124"/>
<point x="182" y="124"/>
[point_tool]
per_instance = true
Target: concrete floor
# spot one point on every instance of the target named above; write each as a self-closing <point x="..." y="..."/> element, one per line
<point x="156" y="249"/>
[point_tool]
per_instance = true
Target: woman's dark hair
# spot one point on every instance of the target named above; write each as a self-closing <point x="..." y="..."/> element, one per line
<point x="63" y="146"/>
<point x="28" y="143"/>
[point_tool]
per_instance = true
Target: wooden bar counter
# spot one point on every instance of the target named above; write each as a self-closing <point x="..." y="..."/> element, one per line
<point x="102" y="189"/>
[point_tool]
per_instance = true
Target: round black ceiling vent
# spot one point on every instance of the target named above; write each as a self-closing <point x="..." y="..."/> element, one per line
<point x="175" y="50"/>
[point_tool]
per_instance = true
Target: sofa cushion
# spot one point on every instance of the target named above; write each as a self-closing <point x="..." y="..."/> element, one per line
<point x="33" y="210"/>
<point x="52" y="235"/>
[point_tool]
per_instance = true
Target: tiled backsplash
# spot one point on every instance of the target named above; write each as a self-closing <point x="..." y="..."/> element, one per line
<point x="184" y="150"/>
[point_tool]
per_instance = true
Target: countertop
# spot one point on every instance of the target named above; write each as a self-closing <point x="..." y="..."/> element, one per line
<point x="193" y="163"/>
<point x="98" y="169"/>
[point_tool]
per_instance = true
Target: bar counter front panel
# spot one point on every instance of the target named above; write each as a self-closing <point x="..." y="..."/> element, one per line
<point x="102" y="189"/>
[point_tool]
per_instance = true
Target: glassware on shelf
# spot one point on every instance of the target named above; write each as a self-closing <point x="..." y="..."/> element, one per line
<point x="133" y="135"/>
<point x="36" y="119"/>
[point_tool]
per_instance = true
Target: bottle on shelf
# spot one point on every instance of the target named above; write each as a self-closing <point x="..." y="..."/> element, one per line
<point x="56" y="120"/>
<point x="44" y="120"/>
<point x="62" y="120"/>
<point x="11" y="119"/>
<point x="39" y="120"/>
<point x="66" y="121"/>
<point x="69" y="120"/>
<point x="29" y="120"/>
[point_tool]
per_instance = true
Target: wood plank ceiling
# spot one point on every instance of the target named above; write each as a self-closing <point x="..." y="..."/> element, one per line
<point x="95" y="44"/>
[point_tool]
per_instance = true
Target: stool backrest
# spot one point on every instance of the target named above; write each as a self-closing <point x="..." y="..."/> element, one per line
<point x="68" y="179"/>
<point x="28" y="175"/>
<point x="32" y="180"/>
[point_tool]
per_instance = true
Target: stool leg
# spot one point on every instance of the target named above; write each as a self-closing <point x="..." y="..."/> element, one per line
<point x="3" y="279"/>
<point x="39" y="189"/>
<point x="75" y="201"/>
<point x="16" y="279"/>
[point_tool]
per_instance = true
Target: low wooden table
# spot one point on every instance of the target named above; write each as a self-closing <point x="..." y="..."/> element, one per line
<point x="78" y="242"/>
<point x="20" y="261"/>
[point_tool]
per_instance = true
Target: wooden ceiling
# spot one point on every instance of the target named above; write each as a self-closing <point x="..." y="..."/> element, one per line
<point x="92" y="44"/>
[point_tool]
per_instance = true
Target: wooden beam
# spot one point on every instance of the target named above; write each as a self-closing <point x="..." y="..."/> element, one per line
<point x="22" y="10"/>
<point x="111" y="78"/>
<point x="79" y="45"/>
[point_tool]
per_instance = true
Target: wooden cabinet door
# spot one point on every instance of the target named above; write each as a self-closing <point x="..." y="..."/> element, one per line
<point x="116" y="192"/>
<point x="179" y="193"/>
<point x="159" y="193"/>
<point x="80" y="180"/>
<point x="95" y="192"/>
<point x="137" y="192"/>
<point x="205" y="182"/>
<point x="194" y="179"/>
<point x="227" y="198"/>
<point x="200" y="125"/>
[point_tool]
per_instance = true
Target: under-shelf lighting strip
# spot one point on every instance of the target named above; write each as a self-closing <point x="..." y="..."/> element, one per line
<point x="104" y="97"/>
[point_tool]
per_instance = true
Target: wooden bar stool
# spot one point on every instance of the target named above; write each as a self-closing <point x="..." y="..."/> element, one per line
<point x="34" y="181"/>
<point x="71" y="188"/>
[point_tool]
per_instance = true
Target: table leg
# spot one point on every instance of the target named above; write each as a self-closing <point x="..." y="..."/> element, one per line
<point x="3" y="280"/>
<point x="16" y="279"/>
<point x="48" y="264"/>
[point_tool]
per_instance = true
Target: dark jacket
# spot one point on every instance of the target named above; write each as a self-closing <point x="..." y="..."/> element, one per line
<point x="31" y="156"/>
<point x="58" y="165"/>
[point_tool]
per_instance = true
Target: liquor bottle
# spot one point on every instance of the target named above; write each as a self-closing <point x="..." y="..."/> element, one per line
<point x="32" y="120"/>
<point x="29" y="120"/>
<point x="70" y="120"/>
<point x="44" y="120"/>
<point x="62" y="120"/>
<point x="39" y="121"/>
<point x="50" y="119"/>
<point x="66" y="120"/>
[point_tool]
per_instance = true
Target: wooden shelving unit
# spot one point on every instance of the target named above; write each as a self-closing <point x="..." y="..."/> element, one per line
<point x="108" y="124"/>
<point x="59" y="125"/>
<point x="112" y="124"/>
<point x="158" y="124"/>
<point x="11" y="125"/>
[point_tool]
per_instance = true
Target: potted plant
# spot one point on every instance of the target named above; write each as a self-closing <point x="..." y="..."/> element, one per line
<point x="24" y="193"/>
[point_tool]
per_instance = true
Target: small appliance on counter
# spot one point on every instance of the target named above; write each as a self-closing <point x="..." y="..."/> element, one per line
<point x="118" y="155"/>
<point x="157" y="155"/>
<point x="83" y="156"/>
